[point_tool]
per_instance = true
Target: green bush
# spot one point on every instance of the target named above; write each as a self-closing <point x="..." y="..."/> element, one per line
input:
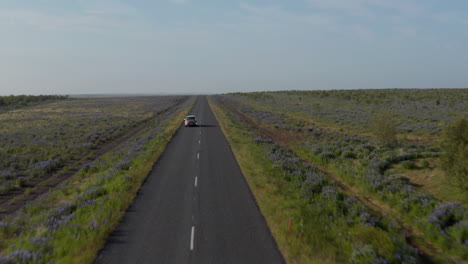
<point x="425" y="164"/>
<point x="409" y="165"/>
<point x="385" y="129"/>
<point x="455" y="157"/>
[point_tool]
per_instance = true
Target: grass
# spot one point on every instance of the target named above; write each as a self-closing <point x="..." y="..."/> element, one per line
<point x="308" y="227"/>
<point x="72" y="222"/>
<point x="41" y="140"/>
<point x="370" y="169"/>
<point x="428" y="175"/>
<point x="436" y="185"/>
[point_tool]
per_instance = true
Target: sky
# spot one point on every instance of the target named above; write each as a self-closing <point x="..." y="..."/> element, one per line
<point x="208" y="46"/>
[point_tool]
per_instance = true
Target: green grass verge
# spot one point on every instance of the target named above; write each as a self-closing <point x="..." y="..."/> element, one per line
<point x="279" y="204"/>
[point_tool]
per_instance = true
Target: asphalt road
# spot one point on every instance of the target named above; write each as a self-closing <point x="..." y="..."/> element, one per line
<point x="194" y="207"/>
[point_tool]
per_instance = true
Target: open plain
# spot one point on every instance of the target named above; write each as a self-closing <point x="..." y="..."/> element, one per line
<point x="272" y="177"/>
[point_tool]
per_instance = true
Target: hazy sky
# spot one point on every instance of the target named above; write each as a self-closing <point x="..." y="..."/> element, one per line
<point x="208" y="46"/>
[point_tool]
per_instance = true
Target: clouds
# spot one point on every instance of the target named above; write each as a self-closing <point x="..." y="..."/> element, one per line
<point x="41" y="20"/>
<point x="351" y="7"/>
<point x="368" y="18"/>
<point x="314" y="22"/>
<point x="109" y="8"/>
<point x="89" y="16"/>
<point x="179" y="2"/>
<point x="217" y="44"/>
<point x="279" y="16"/>
<point x="393" y="12"/>
<point x="367" y="8"/>
<point x="453" y="17"/>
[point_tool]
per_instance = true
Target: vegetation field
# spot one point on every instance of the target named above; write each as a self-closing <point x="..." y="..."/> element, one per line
<point x="359" y="176"/>
<point x="75" y="166"/>
<point x="40" y="140"/>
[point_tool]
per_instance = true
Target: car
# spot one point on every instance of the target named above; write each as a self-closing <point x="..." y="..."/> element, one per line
<point x="190" y="120"/>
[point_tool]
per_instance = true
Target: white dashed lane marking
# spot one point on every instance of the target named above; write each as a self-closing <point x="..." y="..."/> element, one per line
<point x="192" y="237"/>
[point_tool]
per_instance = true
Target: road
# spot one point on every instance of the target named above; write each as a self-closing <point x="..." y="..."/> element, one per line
<point x="194" y="207"/>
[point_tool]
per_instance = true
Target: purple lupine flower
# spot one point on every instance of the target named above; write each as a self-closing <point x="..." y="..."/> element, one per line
<point x="447" y="215"/>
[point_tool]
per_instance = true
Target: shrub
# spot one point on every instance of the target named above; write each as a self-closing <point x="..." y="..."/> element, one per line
<point x="366" y="254"/>
<point x="408" y="165"/>
<point x="425" y="164"/>
<point x="326" y="156"/>
<point x="384" y="128"/>
<point x="455" y="149"/>
<point x="349" y="155"/>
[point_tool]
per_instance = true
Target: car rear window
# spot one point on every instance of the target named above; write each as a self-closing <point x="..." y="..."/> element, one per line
<point x="190" y="118"/>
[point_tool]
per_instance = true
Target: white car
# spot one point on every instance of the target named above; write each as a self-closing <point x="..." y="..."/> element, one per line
<point x="190" y="120"/>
